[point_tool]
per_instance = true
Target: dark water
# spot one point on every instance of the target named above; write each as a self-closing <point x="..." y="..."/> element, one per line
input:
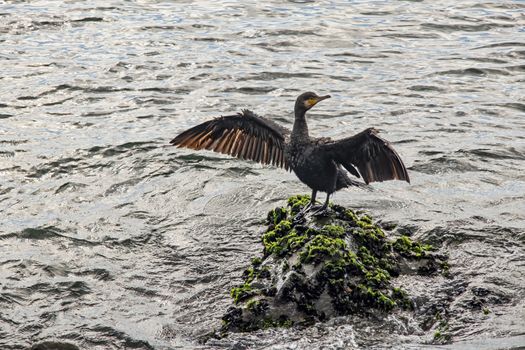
<point x="111" y="239"/>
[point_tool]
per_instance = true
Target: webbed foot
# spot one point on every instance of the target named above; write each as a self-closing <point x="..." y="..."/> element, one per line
<point x="321" y="211"/>
<point x="301" y="214"/>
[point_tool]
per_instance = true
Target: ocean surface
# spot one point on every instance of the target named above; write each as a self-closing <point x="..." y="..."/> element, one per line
<point x="112" y="239"/>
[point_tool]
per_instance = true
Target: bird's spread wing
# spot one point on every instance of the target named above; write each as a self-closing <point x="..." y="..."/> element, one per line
<point x="373" y="156"/>
<point x="244" y="135"/>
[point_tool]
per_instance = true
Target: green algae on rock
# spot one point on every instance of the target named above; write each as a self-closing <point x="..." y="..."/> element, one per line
<point x="323" y="267"/>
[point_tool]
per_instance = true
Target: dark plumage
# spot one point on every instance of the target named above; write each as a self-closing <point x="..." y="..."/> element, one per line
<point x="317" y="162"/>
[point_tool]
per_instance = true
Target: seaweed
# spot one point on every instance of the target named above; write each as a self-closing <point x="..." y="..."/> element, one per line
<point x="344" y="257"/>
<point x="240" y="293"/>
<point x="407" y="247"/>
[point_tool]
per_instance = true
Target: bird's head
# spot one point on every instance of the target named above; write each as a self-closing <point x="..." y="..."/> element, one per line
<point x="307" y="100"/>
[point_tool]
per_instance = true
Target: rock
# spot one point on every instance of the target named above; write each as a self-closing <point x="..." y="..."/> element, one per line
<point x="323" y="267"/>
<point x="54" y="345"/>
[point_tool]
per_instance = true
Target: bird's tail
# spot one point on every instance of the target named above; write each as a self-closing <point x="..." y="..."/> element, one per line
<point x="344" y="181"/>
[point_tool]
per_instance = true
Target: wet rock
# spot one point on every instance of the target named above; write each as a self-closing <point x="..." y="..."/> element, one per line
<point x="54" y="345"/>
<point x="321" y="267"/>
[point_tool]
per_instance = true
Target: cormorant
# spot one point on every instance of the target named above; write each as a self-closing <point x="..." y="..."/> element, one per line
<point x="317" y="162"/>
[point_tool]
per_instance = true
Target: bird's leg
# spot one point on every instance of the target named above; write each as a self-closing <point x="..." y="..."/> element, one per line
<point x="324" y="208"/>
<point x="307" y="207"/>
<point x="311" y="203"/>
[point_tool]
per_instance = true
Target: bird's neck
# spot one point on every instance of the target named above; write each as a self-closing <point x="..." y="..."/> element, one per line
<point x="300" y="129"/>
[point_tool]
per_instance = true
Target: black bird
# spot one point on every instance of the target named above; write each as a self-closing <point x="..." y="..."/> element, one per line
<point x="317" y="162"/>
